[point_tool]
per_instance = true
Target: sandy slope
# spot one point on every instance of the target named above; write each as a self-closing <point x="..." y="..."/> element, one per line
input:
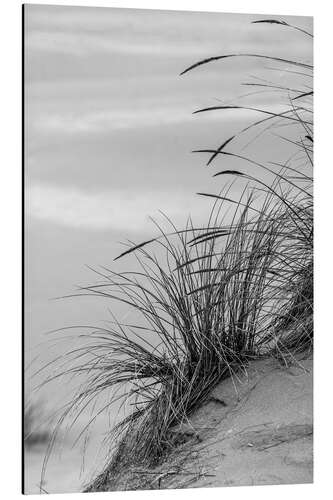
<point x="256" y="429"/>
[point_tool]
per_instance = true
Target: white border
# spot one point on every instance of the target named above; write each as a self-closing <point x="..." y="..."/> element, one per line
<point x="10" y="210"/>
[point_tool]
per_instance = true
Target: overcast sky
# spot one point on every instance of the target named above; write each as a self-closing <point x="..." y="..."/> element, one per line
<point x="109" y="130"/>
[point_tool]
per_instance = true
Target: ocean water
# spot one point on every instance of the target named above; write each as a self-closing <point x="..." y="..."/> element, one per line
<point x="62" y="473"/>
<point x="70" y="466"/>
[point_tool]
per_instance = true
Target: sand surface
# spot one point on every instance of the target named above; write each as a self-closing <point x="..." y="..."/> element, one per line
<point x="256" y="429"/>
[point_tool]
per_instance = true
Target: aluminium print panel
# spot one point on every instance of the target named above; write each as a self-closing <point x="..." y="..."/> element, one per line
<point x="168" y="262"/>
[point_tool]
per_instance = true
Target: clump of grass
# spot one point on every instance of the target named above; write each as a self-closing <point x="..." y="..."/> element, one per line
<point x="211" y="298"/>
<point x="211" y="313"/>
<point x="291" y="323"/>
<point x="196" y="318"/>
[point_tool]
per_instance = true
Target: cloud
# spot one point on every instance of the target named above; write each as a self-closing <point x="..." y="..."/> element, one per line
<point x="106" y="121"/>
<point x="83" y="31"/>
<point x="125" y="211"/>
<point x="101" y="122"/>
<point x="85" y="44"/>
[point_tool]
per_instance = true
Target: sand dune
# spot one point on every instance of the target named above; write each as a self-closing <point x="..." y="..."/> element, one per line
<point x="255" y="429"/>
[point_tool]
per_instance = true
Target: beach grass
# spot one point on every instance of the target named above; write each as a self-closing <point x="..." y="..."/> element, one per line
<point x="207" y="300"/>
